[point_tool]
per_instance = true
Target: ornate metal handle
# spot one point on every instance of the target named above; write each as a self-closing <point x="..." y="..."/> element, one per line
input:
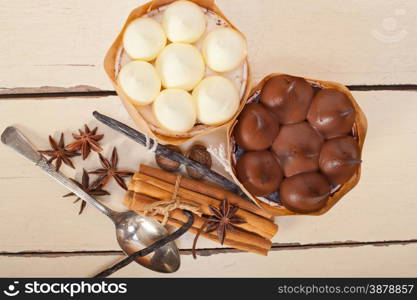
<point x="13" y="138"/>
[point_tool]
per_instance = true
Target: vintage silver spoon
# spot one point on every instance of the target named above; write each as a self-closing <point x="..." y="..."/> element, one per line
<point x="133" y="231"/>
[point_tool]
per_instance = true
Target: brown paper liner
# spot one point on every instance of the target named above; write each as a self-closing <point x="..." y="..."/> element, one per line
<point x="151" y="130"/>
<point x="359" y="130"/>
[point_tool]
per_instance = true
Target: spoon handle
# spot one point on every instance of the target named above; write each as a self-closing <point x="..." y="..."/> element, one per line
<point x="13" y="138"/>
<point x="158" y="244"/>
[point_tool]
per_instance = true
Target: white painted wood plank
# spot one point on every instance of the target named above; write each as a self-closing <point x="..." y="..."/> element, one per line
<point x="381" y="207"/>
<point x="365" y="261"/>
<point x="62" y="43"/>
<point x="31" y="201"/>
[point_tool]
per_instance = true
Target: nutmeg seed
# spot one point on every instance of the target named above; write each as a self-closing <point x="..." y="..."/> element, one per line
<point x="199" y="154"/>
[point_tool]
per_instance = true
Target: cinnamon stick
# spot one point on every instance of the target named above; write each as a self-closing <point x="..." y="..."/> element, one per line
<point x="156" y="188"/>
<point x="236" y="238"/>
<point x="228" y="242"/>
<point x="204" y="189"/>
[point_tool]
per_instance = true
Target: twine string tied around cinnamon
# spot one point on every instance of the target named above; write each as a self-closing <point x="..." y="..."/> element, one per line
<point x="164" y="207"/>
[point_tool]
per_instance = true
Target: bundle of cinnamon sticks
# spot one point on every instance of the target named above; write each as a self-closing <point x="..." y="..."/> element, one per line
<point x="150" y="185"/>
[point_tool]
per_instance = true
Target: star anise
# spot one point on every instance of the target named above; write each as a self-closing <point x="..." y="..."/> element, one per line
<point x="222" y="220"/>
<point x="110" y="170"/>
<point x="86" y="141"/>
<point x="59" y="153"/>
<point x="95" y="189"/>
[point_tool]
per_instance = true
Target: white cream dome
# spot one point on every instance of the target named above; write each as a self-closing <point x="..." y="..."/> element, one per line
<point x="184" y="21"/>
<point x="175" y="111"/>
<point x="143" y="39"/>
<point x="224" y="49"/>
<point x="180" y="66"/>
<point x="216" y="99"/>
<point x="140" y="82"/>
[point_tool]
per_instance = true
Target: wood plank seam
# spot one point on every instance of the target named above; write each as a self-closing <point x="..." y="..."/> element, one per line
<point x="95" y="94"/>
<point x="213" y="251"/>
<point x="383" y="87"/>
<point x="106" y="93"/>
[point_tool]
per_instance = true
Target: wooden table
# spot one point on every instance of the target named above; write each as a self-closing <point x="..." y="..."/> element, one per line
<point x="52" y="80"/>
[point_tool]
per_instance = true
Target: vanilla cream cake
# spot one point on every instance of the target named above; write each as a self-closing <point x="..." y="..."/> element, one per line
<point x="165" y="52"/>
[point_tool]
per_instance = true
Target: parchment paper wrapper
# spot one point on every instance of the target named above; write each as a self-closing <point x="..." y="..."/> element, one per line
<point x="359" y="130"/>
<point x="142" y="115"/>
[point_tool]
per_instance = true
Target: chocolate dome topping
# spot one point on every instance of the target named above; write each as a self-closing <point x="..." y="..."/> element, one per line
<point x="259" y="172"/>
<point x="298" y="148"/>
<point x="315" y="150"/>
<point x="256" y="128"/>
<point x="339" y="159"/>
<point x="304" y="193"/>
<point x="288" y="97"/>
<point x="331" y="113"/>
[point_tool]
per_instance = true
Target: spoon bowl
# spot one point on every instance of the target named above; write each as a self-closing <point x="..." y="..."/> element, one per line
<point x="135" y="232"/>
